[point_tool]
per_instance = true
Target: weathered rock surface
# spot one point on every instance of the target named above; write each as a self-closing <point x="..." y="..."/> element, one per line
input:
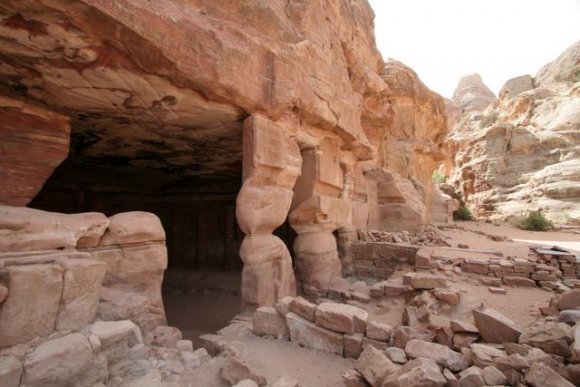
<point x="267" y="322"/>
<point x="34" y="142"/>
<point x="540" y="375"/>
<point x="441" y="354"/>
<point x="472" y="95"/>
<point x="341" y="318"/>
<point x="32" y="304"/>
<point x="521" y="153"/>
<point x="494" y="327"/>
<point x="57" y="361"/>
<point x="374" y="366"/>
<point x="418" y="372"/>
<point x="552" y="337"/>
<point x="10" y="371"/>
<point x="309" y="335"/>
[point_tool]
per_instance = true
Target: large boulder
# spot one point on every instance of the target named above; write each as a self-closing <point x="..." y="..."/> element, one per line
<point x="441" y="354"/>
<point x="495" y="327"/>
<point x="552" y="337"/>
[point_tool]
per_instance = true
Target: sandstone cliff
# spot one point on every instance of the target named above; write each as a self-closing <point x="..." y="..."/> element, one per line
<point x="282" y="109"/>
<point x="523" y="152"/>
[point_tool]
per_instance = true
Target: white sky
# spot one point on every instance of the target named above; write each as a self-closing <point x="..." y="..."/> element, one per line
<point x="443" y="40"/>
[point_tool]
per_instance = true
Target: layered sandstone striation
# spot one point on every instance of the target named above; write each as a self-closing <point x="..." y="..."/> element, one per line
<point x="522" y="152"/>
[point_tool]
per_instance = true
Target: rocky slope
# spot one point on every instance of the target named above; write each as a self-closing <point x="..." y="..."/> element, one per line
<point x="522" y="152"/>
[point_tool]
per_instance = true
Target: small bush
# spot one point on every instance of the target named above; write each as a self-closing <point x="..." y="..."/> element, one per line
<point x="437" y="177"/>
<point x="463" y="213"/>
<point x="535" y="221"/>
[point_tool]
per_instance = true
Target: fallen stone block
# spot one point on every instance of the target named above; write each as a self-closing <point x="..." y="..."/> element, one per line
<point x="214" y="344"/>
<point x="341" y="317"/>
<point x="309" y="335"/>
<point x="495" y="290"/>
<point x="352" y="378"/>
<point x="303" y="308"/>
<point x="109" y="332"/>
<point x="267" y="322"/>
<point x="550" y="336"/>
<point x="397" y="355"/>
<point x="569" y="299"/>
<point x="448" y="296"/>
<point x="379" y="331"/>
<point x="518" y="281"/>
<point x="235" y="370"/>
<point x="283" y="305"/>
<point x="483" y="355"/>
<point x="375" y="343"/>
<point x="402" y="334"/>
<point x="540" y="375"/>
<point x="353" y="344"/>
<point x="374" y="366"/>
<point x="471" y="377"/>
<point x="418" y="372"/>
<point x="441" y="354"/>
<point x="425" y="280"/>
<point x="495" y="327"/>
<point x="493" y="377"/>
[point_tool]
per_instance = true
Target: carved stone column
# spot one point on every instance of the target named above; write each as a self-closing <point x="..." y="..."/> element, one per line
<point x="272" y="163"/>
<point x="317" y="210"/>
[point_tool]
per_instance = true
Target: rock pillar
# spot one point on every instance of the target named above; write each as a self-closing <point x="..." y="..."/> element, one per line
<point x="318" y="209"/>
<point x="272" y="163"/>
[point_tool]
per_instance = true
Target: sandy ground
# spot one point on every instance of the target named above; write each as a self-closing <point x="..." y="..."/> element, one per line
<point x="567" y="239"/>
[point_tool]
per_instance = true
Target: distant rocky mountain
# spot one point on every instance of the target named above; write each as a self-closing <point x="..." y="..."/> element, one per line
<point x="522" y="151"/>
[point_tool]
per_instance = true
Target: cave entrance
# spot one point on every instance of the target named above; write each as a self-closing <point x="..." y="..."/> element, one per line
<point x="189" y="178"/>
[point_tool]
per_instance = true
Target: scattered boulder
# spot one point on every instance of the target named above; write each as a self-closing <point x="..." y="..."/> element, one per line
<point x="379" y="331"/>
<point x="417" y="372"/>
<point x="283" y="305"/>
<point x="552" y="337"/>
<point x="109" y="332"/>
<point x="494" y="327"/>
<point x="569" y="299"/>
<point x="397" y="355"/>
<point x="483" y="355"/>
<point x="214" y="344"/>
<point x="341" y="317"/>
<point x="569" y="316"/>
<point x="403" y="334"/>
<point x="493" y="377"/>
<point x="448" y="296"/>
<point x="441" y="354"/>
<point x="374" y="366"/>
<point x="235" y="370"/>
<point x="194" y="359"/>
<point x="540" y="375"/>
<point x="352" y="378"/>
<point x="471" y="377"/>
<point x="459" y="326"/>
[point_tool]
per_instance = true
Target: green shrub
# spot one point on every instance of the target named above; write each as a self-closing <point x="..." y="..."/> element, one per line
<point x="463" y="213"/>
<point x="535" y="221"/>
<point x="437" y="177"/>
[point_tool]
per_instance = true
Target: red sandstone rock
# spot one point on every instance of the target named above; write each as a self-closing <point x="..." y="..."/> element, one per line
<point x="34" y="142"/>
<point x="341" y="317"/>
<point x="494" y="327"/>
<point x="309" y="335"/>
<point x="437" y="352"/>
<point x="267" y="322"/>
<point x="374" y="366"/>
